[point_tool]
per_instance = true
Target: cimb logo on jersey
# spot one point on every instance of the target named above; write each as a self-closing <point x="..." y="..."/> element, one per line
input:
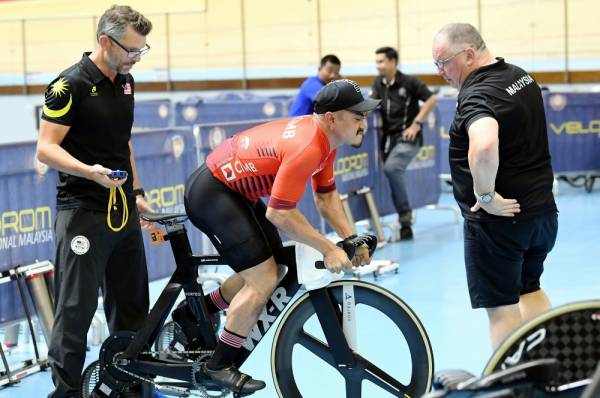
<point x="239" y="167"/>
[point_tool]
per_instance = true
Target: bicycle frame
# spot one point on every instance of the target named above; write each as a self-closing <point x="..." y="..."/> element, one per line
<point x="184" y="277"/>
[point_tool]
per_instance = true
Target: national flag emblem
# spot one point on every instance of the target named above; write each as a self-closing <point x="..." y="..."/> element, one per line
<point x="127" y="89"/>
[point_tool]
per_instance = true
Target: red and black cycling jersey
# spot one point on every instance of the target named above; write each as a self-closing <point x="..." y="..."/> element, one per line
<point x="276" y="159"/>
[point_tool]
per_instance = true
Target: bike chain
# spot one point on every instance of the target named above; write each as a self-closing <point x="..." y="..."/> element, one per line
<point x="202" y="391"/>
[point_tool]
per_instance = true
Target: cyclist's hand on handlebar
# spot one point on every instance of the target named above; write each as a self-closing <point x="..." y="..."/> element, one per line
<point x="361" y="256"/>
<point x="336" y="260"/>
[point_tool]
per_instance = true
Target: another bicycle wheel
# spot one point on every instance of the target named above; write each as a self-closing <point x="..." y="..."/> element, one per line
<point x="393" y="353"/>
<point x="89" y="379"/>
<point x="569" y="333"/>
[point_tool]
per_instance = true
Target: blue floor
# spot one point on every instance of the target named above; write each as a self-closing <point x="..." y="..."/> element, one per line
<point x="431" y="280"/>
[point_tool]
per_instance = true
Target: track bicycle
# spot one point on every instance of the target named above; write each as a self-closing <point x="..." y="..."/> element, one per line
<point x="322" y="323"/>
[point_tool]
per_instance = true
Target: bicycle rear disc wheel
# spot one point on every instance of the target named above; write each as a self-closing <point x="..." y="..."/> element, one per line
<point x="393" y="356"/>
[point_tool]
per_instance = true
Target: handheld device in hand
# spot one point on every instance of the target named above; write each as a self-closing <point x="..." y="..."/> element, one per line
<point x="117" y="174"/>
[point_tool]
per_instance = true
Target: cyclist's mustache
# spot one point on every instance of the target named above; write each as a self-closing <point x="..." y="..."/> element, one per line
<point x="360" y="131"/>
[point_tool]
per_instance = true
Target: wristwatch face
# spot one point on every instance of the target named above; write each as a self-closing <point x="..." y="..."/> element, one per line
<point x="486" y="198"/>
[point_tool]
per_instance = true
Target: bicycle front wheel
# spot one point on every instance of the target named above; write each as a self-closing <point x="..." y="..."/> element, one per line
<point x="393" y="355"/>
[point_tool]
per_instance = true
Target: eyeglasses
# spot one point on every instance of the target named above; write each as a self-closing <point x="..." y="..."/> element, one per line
<point x="131" y="53"/>
<point x="441" y="63"/>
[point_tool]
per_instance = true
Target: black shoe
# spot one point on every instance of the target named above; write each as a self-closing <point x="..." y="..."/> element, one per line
<point x="233" y="379"/>
<point x="406" y="233"/>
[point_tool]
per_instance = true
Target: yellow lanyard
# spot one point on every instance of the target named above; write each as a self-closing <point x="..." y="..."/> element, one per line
<point x="112" y="201"/>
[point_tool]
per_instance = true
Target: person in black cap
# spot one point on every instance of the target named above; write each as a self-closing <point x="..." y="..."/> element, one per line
<point x="222" y="198"/>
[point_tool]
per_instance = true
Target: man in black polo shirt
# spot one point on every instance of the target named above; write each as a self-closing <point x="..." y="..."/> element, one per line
<point x="85" y="134"/>
<point x="402" y="123"/>
<point x="502" y="178"/>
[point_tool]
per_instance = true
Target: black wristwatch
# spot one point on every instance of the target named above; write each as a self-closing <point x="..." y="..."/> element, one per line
<point x="139" y="192"/>
<point x="418" y="123"/>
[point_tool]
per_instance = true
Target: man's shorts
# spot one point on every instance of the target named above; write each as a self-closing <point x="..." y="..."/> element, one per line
<point x="505" y="260"/>
<point x="238" y="228"/>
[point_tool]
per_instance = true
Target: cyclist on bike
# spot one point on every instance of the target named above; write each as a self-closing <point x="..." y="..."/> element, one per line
<point x="276" y="159"/>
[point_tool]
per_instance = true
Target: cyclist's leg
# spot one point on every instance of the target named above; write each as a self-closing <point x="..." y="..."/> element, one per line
<point x="231" y="224"/>
<point x="235" y="282"/>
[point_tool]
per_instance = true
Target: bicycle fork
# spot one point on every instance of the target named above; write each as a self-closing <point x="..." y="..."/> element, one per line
<point x="339" y="325"/>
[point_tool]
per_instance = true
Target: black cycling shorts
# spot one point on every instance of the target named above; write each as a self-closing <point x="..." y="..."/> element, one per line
<point x="238" y="228"/>
<point x="505" y="260"/>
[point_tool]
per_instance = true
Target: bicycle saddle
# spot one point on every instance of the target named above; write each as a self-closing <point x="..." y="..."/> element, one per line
<point x="164" y="218"/>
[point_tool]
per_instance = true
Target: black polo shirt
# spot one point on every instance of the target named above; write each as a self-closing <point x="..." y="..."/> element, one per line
<point x="400" y="101"/>
<point x="100" y="114"/>
<point x="508" y="94"/>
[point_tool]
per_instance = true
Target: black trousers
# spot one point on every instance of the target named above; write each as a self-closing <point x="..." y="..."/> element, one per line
<point x="90" y="256"/>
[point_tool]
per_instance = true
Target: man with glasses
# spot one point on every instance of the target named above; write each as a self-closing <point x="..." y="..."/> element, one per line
<point x="501" y="176"/>
<point x="403" y="119"/>
<point x="223" y="199"/>
<point x="85" y="134"/>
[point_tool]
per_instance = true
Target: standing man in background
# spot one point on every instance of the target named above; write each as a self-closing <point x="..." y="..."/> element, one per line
<point x="329" y="70"/>
<point x="402" y="124"/>
<point x="498" y="150"/>
<point x="85" y="134"/>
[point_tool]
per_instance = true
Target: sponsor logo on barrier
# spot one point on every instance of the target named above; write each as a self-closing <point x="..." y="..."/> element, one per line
<point x="189" y="114"/>
<point x="575" y="127"/>
<point x="424" y="159"/>
<point x="19" y="228"/>
<point x="269" y="109"/>
<point x="276" y="304"/>
<point x="176" y="144"/>
<point x="444" y="134"/>
<point x="163" y="111"/>
<point x="216" y="136"/>
<point x="167" y="199"/>
<point x="557" y="102"/>
<point x="352" y="167"/>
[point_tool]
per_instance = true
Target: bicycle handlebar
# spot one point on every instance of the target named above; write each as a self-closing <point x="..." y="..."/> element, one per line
<point x="350" y="244"/>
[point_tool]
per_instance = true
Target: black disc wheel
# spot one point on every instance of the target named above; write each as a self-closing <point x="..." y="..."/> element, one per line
<point x="392" y="353"/>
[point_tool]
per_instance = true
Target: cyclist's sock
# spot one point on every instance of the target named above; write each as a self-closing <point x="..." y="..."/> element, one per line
<point x="227" y="349"/>
<point x="215" y="301"/>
